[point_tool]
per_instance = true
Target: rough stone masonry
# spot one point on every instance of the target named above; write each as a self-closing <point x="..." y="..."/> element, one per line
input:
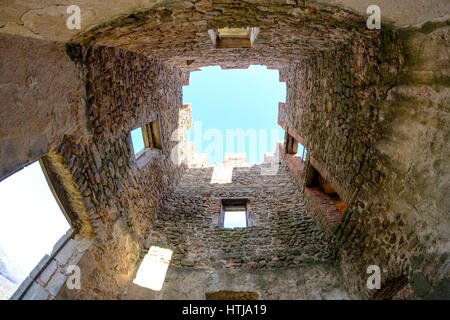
<point x="281" y="239"/>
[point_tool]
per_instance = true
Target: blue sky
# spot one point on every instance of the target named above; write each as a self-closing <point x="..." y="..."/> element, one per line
<point x="235" y="99"/>
<point x="137" y="139"/>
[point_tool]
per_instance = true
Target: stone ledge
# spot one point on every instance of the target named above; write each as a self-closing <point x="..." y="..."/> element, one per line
<point x="18" y="294"/>
<point x="145" y="156"/>
<point x="36" y="292"/>
<point x="62" y="241"/>
<point x="346" y="194"/>
<point x="40" y="266"/>
<point x="323" y="207"/>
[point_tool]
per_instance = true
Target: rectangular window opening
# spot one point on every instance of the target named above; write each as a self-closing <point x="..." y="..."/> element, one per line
<point x="147" y="137"/>
<point x="138" y="140"/>
<point x="31" y="222"/>
<point x="223" y="38"/>
<point x="234" y="213"/>
<point x="292" y="146"/>
<point x="302" y="152"/>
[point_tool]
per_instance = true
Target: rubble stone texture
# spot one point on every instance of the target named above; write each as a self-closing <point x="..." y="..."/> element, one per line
<point x="282" y="238"/>
<point x="371" y="106"/>
<point x="280" y="233"/>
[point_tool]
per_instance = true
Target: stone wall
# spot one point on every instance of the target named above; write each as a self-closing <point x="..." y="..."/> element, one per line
<point x="49" y="277"/>
<point x="176" y="32"/>
<point x="383" y="150"/>
<point x="123" y="91"/>
<point x="114" y="196"/>
<point x="331" y="101"/>
<point x="46" y="19"/>
<point x="40" y="101"/>
<point x="409" y="207"/>
<point x="281" y="234"/>
<point x="370" y="106"/>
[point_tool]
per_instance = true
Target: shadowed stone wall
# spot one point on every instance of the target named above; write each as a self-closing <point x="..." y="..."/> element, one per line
<point x="383" y="148"/>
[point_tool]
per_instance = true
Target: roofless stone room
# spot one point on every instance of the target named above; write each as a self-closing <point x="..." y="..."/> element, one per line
<point x="225" y="150"/>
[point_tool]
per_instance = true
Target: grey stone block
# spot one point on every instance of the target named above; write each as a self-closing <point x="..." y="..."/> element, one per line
<point x="66" y="252"/>
<point x="36" y="292"/>
<point x="187" y="263"/>
<point x="56" y="283"/>
<point x="47" y="272"/>
<point x="62" y="241"/>
<point x="22" y="288"/>
<point x="41" y="265"/>
<point x="39" y="147"/>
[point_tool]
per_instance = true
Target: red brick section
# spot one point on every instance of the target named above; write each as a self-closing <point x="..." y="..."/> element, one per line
<point x="321" y="205"/>
<point x="346" y="194"/>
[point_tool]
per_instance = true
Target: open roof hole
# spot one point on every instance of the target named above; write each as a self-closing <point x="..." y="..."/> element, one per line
<point x="235" y="111"/>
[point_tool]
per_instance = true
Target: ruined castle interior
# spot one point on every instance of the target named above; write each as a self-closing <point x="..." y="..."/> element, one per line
<point x="370" y="197"/>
